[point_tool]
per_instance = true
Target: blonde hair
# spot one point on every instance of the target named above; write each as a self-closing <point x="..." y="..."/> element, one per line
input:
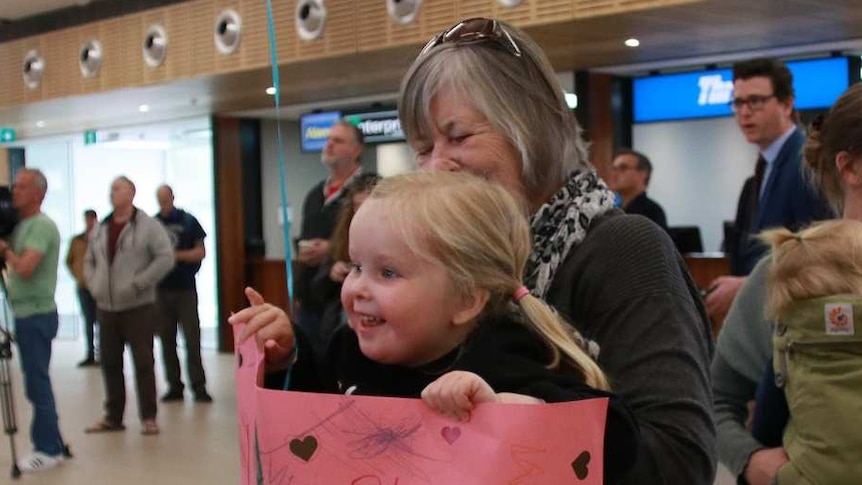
<point x="822" y="260"/>
<point x="479" y="233"/>
<point x="363" y="184"/>
<point x="520" y="96"/>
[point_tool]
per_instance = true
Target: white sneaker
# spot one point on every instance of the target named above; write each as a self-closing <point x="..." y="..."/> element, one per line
<point x="39" y="461"/>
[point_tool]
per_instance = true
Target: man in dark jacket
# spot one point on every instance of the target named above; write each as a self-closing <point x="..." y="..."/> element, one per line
<point x="630" y="175"/>
<point x="178" y="299"/>
<point x="778" y="195"/>
<point x="319" y="215"/>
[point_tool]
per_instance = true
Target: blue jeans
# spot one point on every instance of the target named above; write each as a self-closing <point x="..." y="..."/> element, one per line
<point x="34" y="335"/>
<point x="88" y="310"/>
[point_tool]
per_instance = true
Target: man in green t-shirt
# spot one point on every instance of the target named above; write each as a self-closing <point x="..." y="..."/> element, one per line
<point x="31" y="260"/>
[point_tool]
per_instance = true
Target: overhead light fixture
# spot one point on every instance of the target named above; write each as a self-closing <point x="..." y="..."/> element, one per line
<point x="270" y="90"/>
<point x="509" y="3"/>
<point x="403" y="11"/>
<point x="90" y="58"/>
<point x="33" y="69"/>
<point x="144" y="108"/>
<point x="310" y="18"/>
<point x="228" y="31"/>
<point x="632" y="42"/>
<point x="155" y="45"/>
<point x="40" y="124"/>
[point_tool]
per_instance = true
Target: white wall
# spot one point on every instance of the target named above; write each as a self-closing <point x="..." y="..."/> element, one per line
<point x="395" y="158"/>
<point x="699" y="167"/>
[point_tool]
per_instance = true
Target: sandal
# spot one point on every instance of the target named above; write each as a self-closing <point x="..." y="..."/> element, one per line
<point x="149" y="427"/>
<point x="104" y="426"/>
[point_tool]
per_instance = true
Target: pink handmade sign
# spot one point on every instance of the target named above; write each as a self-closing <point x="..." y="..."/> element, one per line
<point x="299" y="438"/>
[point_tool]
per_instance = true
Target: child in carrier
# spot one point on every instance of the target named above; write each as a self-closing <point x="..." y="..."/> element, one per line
<point x="810" y="400"/>
<point x="436" y="309"/>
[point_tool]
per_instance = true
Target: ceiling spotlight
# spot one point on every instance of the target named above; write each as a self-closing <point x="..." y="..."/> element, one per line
<point x="227" y="32"/>
<point x="632" y="42"/>
<point x="144" y="108"/>
<point x="40" y="124"/>
<point x="270" y="90"/>
<point x="155" y="45"/>
<point x="403" y="11"/>
<point x="310" y="18"/>
<point x="33" y="69"/>
<point x="90" y="58"/>
<point x="509" y="3"/>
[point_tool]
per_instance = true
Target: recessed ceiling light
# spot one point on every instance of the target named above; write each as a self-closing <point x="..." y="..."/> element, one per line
<point x="144" y="108"/>
<point x="633" y="42"/>
<point x="40" y="124"/>
<point x="270" y="90"/>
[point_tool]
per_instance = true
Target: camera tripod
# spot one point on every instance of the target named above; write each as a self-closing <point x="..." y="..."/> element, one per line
<point x="7" y="398"/>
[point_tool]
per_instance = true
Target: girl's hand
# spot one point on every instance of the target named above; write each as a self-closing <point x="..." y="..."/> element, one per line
<point x="456" y="393"/>
<point x="270" y="326"/>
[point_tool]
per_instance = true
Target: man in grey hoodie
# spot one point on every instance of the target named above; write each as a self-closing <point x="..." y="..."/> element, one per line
<point x="129" y="254"/>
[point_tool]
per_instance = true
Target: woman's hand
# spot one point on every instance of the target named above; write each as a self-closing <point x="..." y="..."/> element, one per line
<point x="339" y="271"/>
<point x="763" y="466"/>
<point x="270" y="326"/>
<point x="456" y="393"/>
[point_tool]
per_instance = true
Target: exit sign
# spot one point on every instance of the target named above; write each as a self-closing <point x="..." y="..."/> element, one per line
<point x="90" y="137"/>
<point x="7" y="135"/>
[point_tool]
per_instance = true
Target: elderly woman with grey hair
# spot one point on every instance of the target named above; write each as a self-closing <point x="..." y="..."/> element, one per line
<point x="482" y="97"/>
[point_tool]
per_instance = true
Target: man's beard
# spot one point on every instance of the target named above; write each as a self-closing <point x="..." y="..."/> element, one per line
<point x="332" y="162"/>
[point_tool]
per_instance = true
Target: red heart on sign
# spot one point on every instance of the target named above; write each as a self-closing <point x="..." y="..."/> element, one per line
<point x="450" y="434"/>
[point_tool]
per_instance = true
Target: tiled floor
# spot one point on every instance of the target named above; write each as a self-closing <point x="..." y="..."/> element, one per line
<point x="198" y="442"/>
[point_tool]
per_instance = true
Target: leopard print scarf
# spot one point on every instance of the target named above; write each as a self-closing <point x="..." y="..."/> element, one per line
<point x="561" y="224"/>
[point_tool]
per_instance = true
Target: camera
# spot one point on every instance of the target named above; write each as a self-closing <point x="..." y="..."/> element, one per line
<point x="8" y="213"/>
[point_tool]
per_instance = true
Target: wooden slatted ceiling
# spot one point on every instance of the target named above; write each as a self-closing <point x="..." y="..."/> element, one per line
<point x="383" y="51"/>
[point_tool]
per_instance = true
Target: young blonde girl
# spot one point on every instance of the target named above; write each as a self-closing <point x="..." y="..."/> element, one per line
<point x="814" y="293"/>
<point x="437" y="310"/>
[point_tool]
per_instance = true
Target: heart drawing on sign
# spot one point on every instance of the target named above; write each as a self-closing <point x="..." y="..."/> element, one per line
<point x="304" y="448"/>
<point x="450" y="433"/>
<point x="581" y="464"/>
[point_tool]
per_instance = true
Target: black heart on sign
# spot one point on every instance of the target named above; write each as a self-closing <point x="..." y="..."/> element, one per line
<point x="304" y="448"/>
<point x="580" y="465"/>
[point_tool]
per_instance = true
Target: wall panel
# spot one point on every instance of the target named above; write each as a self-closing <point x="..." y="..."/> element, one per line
<point x="11" y="85"/>
<point x="132" y="61"/>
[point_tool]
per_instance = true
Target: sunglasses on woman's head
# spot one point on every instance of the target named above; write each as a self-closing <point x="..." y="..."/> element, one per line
<point x="475" y="31"/>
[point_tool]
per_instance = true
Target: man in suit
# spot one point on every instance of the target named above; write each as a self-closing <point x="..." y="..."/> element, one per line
<point x="778" y="193"/>
<point x="630" y="175"/>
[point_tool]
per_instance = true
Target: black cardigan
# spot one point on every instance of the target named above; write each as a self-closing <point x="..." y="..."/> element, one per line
<point x="627" y="288"/>
<point x="509" y="356"/>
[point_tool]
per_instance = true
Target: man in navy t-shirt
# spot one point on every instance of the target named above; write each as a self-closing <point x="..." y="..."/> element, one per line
<point x="178" y="299"/>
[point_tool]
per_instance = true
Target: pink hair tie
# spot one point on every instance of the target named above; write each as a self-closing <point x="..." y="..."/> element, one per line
<point x="520" y="293"/>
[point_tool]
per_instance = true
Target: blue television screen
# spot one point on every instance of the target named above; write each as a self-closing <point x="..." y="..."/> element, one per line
<point x="707" y="94"/>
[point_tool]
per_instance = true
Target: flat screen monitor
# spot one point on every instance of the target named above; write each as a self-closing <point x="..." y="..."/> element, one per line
<point x="707" y="94"/>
